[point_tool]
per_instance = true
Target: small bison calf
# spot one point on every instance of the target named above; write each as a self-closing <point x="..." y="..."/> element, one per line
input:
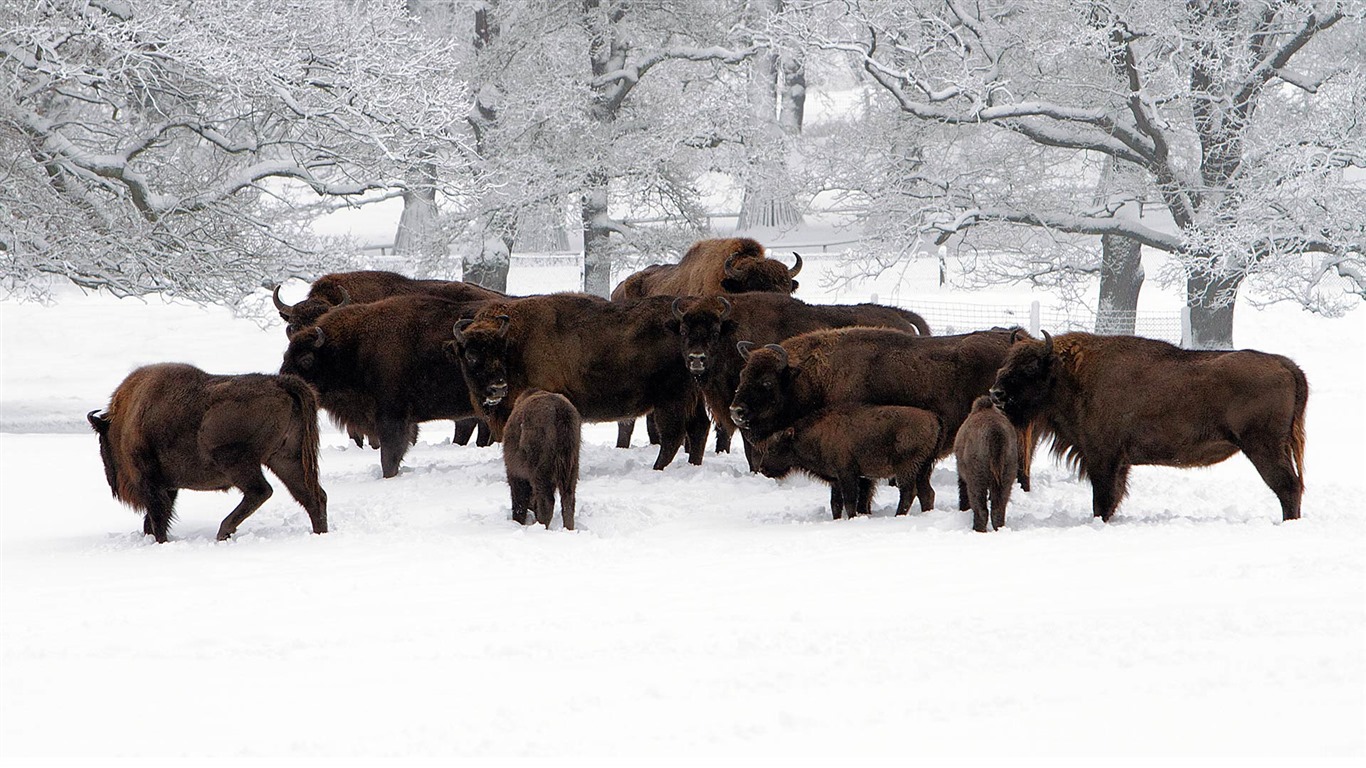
<point x="848" y="446"/>
<point x="988" y="459"/>
<point x="541" y="454"/>
<point x="173" y="426"/>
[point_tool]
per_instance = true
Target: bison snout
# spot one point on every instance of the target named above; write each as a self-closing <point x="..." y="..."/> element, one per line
<point x="739" y="414"/>
<point x="697" y="363"/>
<point x="495" y="393"/>
<point x="997" y="395"/>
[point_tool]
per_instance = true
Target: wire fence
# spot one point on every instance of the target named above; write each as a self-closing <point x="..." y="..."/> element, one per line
<point x="948" y="317"/>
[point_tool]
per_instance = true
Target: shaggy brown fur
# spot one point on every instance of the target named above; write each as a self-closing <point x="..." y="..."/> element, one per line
<point x="710" y="267"/>
<point x="611" y="359"/>
<point x="367" y="286"/>
<point x="1112" y="402"/>
<point x="711" y="326"/>
<point x="541" y="455"/>
<point x="873" y="366"/>
<point x="172" y="426"/>
<point x="850" y="445"/>
<point x="380" y="370"/>
<point x="988" y="454"/>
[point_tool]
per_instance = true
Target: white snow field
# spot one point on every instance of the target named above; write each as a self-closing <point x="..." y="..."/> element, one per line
<point x="700" y="614"/>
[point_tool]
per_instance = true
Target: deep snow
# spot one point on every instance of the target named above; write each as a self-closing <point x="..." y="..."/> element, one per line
<point x="698" y="613"/>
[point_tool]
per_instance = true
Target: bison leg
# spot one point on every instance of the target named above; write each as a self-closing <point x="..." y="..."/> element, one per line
<point x="245" y="474"/>
<point x="652" y="428"/>
<point x="521" y="498"/>
<point x="866" y="489"/>
<point x="356" y="436"/>
<point x="850" y="486"/>
<point x="463" y="429"/>
<point x="672" y="424"/>
<point x="625" y="428"/>
<point x="485" y="436"/>
<point x="751" y="453"/>
<point x="698" y="425"/>
<point x="393" y="444"/>
<point x="906" y="491"/>
<point x="1278" y="472"/>
<point x="160" y="512"/>
<point x="543" y="500"/>
<point x="293" y="473"/>
<point x="567" y="505"/>
<point x="836" y="501"/>
<point x="977" y="495"/>
<point x="923" y="487"/>
<point x="964" y="504"/>
<point x="1108" y="485"/>
<point x="722" y="438"/>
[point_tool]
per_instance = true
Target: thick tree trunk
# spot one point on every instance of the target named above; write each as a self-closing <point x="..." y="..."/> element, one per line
<point x="597" y="255"/>
<point x="419" y="233"/>
<point x="1211" y="300"/>
<point x="765" y="204"/>
<point x="1121" y="279"/>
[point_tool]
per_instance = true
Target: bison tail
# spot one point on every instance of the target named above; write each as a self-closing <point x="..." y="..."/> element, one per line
<point x="1297" y="422"/>
<point x="307" y="402"/>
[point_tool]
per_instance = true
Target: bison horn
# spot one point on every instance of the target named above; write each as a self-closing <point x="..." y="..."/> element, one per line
<point x="322" y="338"/>
<point x="98" y="422"/>
<point x="678" y="313"/>
<point x="729" y="267"/>
<point x="795" y="267"/>
<point x="280" y="305"/>
<point x="1048" y="341"/>
<point x="503" y="322"/>
<point x="1015" y="335"/>
<point x="745" y="348"/>
<point x="458" y="330"/>
<point x="782" y="353"/>
<point x="346" y="297"/>
<point x="725" y="307"/>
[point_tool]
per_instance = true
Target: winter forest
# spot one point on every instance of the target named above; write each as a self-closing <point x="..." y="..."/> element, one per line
<point x="169" y="169"/>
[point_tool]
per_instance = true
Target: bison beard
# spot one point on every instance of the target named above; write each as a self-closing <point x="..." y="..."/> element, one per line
<point x="173" y="426"/>
<point x="1112" y="402"/>
<point x="611" y="359"/>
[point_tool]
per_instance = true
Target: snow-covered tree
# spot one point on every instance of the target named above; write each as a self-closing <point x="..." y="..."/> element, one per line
<point x="171" y="145"/>
<point x="1245" y="124"/>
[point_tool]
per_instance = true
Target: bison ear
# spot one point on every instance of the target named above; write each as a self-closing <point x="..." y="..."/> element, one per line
<point x="745" y="348"/>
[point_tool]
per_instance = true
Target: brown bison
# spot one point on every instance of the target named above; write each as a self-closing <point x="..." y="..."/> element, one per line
<point x="1111" y="402"/>
<point x="541" y="455"/>
<point x="850" y="445"/>
<point x="988" y="454"/>
<point x="722" y="265"/>
<point x="873" y="366"/>
<point x="380" y="369"/>
<point x="613" y="360"/>
<point x="712" y="326"/>
<point x="367" y="286"/>
<point x="173" y="426"/>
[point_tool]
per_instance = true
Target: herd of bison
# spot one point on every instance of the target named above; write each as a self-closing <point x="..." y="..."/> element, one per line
<point x="850" y="394"/>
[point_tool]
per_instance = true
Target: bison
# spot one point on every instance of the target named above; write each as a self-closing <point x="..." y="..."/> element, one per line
<point x="711" y="326"/>
<point x="172" y="426"/>
<point x="1111" y="402"/>
<point x="380" y="369"/>
<point x="367" y="286"/>
<point x="541" y="455"/>
<point x="873" y="366"/>
<point x="613" y="360"/>
<point x="850" y="445"/>
<point x="987" y="450"/>
<point x="722" y="265"/>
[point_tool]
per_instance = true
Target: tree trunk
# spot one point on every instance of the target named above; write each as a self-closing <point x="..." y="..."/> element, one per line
<point x="1121" y="278"/>
<point x="489" y="267"/>
<point x="597" y="256"/>
<point x="1211" y="300"/>
<point x="419" y="234"/>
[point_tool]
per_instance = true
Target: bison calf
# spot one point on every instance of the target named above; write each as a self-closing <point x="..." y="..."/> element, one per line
<point x="173" y="426"/>
<point x="988" y="458"/>
<point x="541" y="454"/>
<point x="849" y="445"/>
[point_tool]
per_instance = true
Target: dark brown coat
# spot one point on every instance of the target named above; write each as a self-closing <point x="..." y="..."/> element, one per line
<point x="712" y="326"/>
<point x="613" y="360"/>
<point x="380" y="369"/>
<point x="541" y="455"/>
<point x="1112" y="402"/>
<point x="988" y="454"/>
<point x="850" y="445"/>
<point x="171" y="426"/>
<point x="874" y="366"/>
<point x="710" y="267"/>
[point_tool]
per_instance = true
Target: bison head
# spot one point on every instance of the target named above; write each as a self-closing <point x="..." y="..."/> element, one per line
<point x="481" y="348"/>
<point x="759" y="275"/>
<point x="778" y="454"/>
<point x="305" y="314"/>
<point x="309" y="356"/>
<point x="101" y="426"/>
<point x="765" y="384"/>
<point x="702" y="326"/>
<point x="1026" y="378"/>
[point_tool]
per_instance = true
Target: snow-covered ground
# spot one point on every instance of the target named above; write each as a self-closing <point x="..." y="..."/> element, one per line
<point x="700" y="613"/>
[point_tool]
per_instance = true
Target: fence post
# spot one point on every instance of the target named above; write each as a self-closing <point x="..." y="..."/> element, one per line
<point x="1034" y="318"/>
<point x="1186" y="327"/>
